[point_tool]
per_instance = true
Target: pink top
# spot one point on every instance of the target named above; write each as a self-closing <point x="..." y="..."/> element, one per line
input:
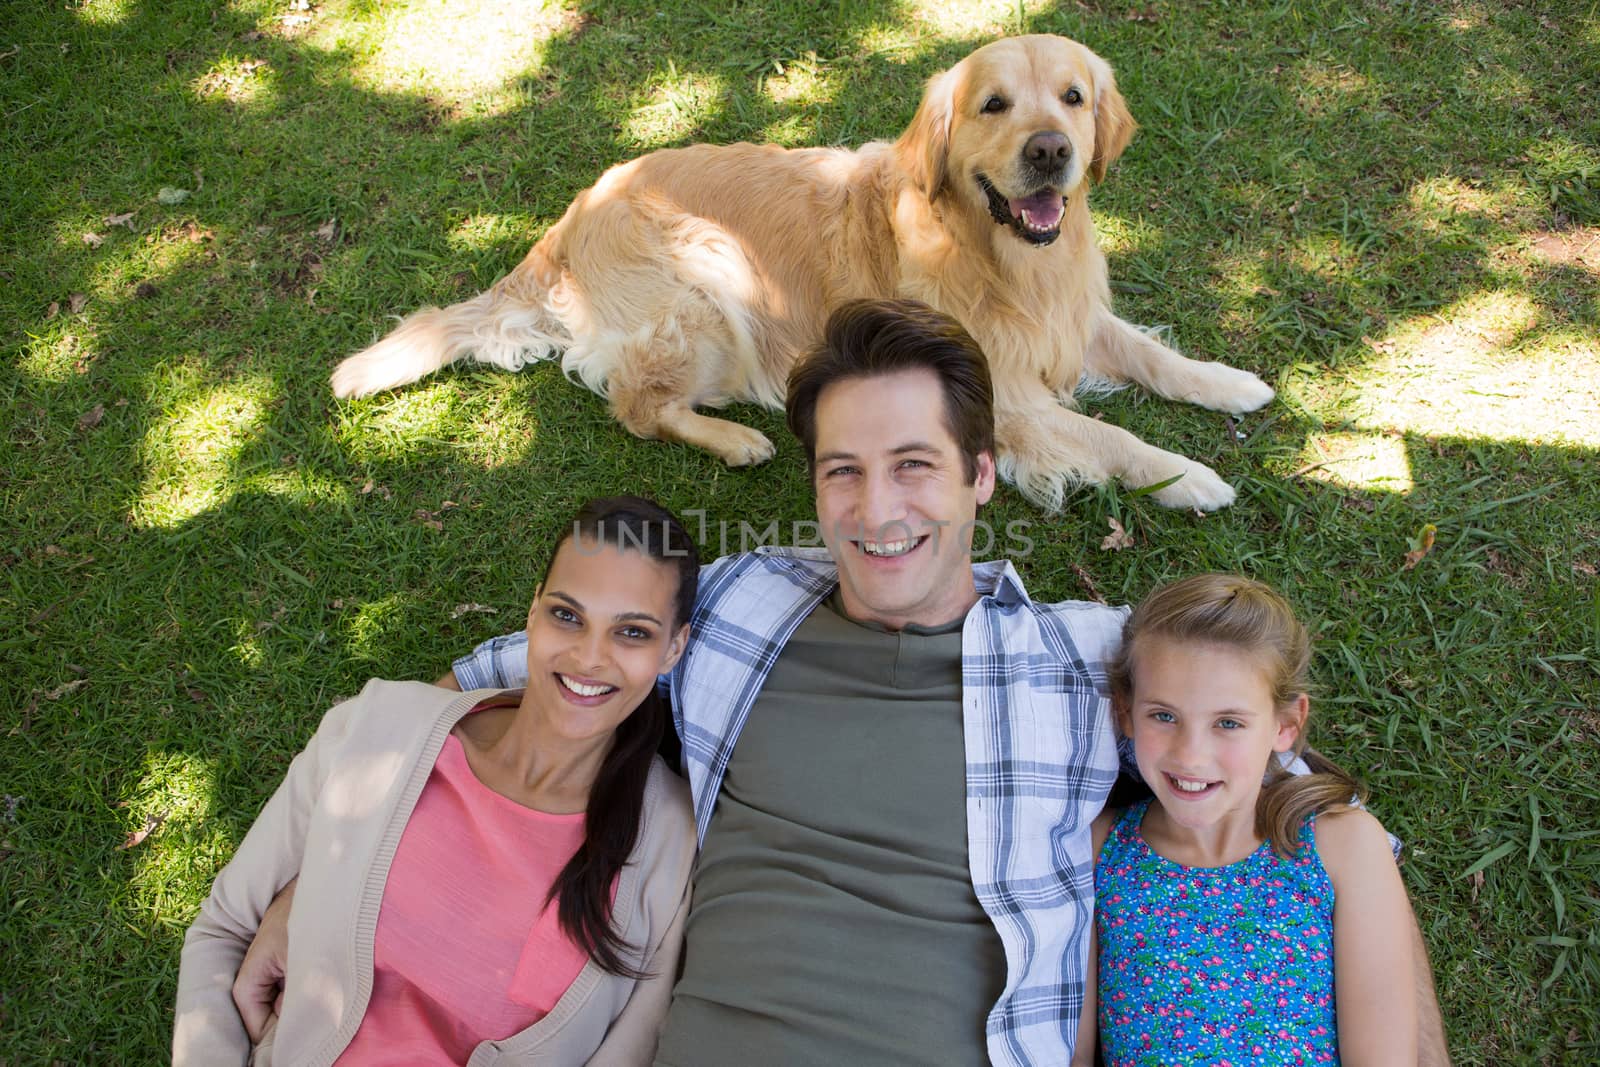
<point x="466" y="950"/>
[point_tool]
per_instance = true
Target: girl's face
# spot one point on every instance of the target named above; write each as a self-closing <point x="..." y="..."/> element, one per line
<point x="599" y="632"/>
<point x="1204" y="727"/>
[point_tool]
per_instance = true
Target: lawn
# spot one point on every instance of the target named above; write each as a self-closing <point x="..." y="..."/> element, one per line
<point x="1390" y="210"/>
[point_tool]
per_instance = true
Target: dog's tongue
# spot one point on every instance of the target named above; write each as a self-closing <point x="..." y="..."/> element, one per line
<point x="1041" y="211"/>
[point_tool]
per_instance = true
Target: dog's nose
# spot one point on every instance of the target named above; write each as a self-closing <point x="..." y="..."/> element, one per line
<point x="1047" y="149"/>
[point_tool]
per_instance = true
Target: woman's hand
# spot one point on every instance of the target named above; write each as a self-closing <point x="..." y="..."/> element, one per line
<point x="258" y="988"/>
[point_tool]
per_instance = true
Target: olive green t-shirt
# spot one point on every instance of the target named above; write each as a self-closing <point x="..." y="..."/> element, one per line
<point x="834" y="920"/>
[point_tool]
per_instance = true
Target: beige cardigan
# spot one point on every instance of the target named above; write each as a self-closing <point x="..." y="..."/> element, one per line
<point x="335" y="823"/>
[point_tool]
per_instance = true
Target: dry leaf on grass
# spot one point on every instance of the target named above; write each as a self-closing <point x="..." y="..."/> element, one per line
<point x="1088" y="584"/>
<point x="467" y="609"/>
<point x="1421" y="546"/>
<point x="152" y="823"/>
<point x="124" y="219"/>
<point x="93" y="240"/>
<point x="1583" y="568"/>
<point x="91" y="418"/>
<point x="76" y="302"/>
<point x="1117" y="539"/>
<point x="53" y="310"/>
<point x="328" y="230"/>
<point x="64" y="690"/>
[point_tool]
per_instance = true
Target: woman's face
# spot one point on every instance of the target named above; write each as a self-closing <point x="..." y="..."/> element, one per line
<point x="599" y="632"/>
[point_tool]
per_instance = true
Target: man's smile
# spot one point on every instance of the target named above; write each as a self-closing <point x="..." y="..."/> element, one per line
<point x="891" y="549"/>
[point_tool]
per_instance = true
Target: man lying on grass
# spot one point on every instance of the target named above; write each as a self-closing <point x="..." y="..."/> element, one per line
<point x="895" y="754"/>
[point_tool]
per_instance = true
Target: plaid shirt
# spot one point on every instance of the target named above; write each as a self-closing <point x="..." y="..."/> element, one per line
<point x="1039" y="751"/>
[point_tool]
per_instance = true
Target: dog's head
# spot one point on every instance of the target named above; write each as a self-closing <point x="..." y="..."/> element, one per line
<point x="1013" y="129"/>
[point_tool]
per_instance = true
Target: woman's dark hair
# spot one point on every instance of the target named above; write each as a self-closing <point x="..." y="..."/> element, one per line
<point x="616" y="800"/>
<point x="872" y="338"/>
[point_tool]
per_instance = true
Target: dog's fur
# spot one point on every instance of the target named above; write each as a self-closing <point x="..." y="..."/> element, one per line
<point x="691" y="277"/>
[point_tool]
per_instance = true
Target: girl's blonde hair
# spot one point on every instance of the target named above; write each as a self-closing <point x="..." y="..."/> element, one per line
<point x="1229" y="609"/>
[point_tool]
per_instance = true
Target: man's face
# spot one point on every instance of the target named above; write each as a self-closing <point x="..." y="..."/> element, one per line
<point x="893" y="500"/>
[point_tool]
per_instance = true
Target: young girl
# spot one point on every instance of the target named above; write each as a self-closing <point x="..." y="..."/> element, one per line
<point x="500" y="876"/>
<point x="1244" y="915"/>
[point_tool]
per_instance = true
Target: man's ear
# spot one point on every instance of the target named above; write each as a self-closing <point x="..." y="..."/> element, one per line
<point x="1113" y="122"/>
<point x="985" y="480"/>
<point x="1292" y="723"/>
<point x="924" y="148"/>
<point x="675" y="647"/>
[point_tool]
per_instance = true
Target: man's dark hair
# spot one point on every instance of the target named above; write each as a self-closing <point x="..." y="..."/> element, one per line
<point x="582" y="890"/>
<point x="873" y="338"/>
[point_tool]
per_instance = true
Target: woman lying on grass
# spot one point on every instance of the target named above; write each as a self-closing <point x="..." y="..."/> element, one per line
<point x="1238" y="922"/>
<point x="499" y="876"/>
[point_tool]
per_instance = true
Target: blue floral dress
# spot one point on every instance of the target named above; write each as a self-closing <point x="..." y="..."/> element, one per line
<point x="1214" y="965"/>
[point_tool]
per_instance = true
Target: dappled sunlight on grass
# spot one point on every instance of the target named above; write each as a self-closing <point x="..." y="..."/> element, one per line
<point x="1327" y="87"/>
<point x="191" y="451"/>
<point x="679" y="105"/>
<point x="240" y="82"/>
<point x="178" y="792"/>
<point x="53" y="354"/>
<point x="247" y="646"/>
<point x="102" y="12"/>
<point x="1488" y="367"/>
<point x="798" y="82"/>
<point x="467" y="56"/>
<point x="939" y="18"/>
<point x="477" y="232"/>
<point x="1363" y="461"/>
<point x="1434" y="201"/>
<point x="803" y="86"/>
<point x="481" y="423"/>
<point x="370" y="625"/>
<point x="298" y="486"/>
<point x="1120" y="235"/>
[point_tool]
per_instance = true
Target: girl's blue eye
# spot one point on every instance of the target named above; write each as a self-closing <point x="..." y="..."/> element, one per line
<point x="1163" y="716"/>
<point x="1230" y="724"/>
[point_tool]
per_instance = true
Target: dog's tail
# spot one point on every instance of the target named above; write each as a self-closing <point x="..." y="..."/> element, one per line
<point x="504" y="325"/>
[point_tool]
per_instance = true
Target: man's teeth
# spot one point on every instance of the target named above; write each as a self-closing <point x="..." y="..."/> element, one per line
<point x="585" y="690"/>
<point x="1190" y="787"/>
<point x="886" y="548"/>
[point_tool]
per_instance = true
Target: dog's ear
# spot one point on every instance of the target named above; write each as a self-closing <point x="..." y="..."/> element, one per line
<point x="924" y="149"/>
<point x="1113" y="123"/>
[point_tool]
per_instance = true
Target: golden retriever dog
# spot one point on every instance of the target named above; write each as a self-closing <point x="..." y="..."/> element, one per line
<point x="692" y="277"/>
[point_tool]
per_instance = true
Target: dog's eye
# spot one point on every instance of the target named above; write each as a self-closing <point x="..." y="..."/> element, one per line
<point x="994" y="105"/>
<point x="1072" y="97"/>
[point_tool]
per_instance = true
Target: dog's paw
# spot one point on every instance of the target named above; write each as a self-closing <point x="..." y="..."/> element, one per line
<point x="1198" y="489"/>
<point x="1236" y="391"/>
<point x="741" y="446"/>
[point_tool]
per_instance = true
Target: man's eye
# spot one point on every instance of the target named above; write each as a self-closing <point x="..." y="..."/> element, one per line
<point x="994" y="105"/>
<point x="634" y="633"/>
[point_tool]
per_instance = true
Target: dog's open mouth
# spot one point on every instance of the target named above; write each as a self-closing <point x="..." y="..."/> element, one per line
<point x="1035" y="218"/>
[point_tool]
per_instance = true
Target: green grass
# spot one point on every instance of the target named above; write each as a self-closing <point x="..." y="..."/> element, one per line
<point x="1390" y="209"/>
